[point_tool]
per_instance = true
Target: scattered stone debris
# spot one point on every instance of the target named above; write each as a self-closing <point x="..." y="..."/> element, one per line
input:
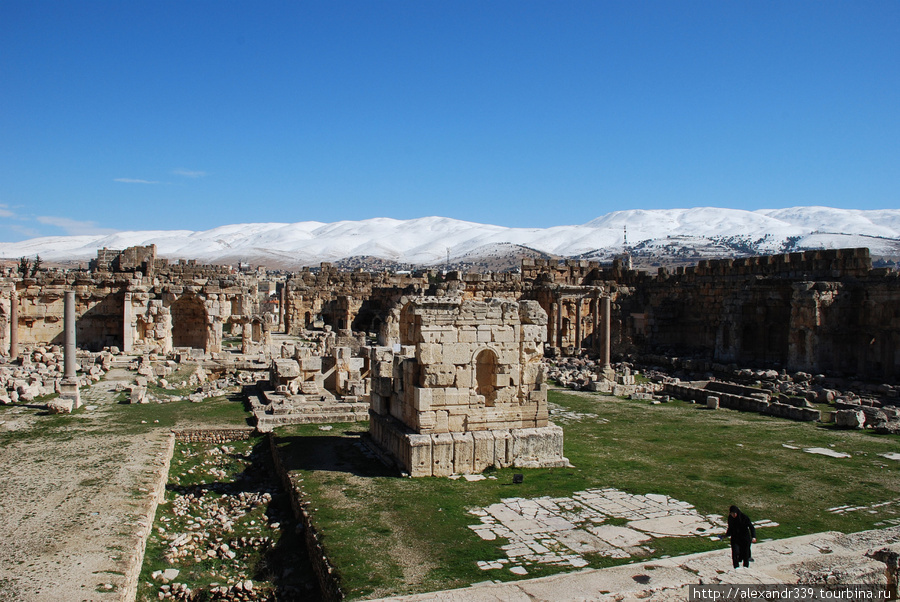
<point x="39" y="372"/>
<point x="849" y="508"/>
<point x="223" y="518"/>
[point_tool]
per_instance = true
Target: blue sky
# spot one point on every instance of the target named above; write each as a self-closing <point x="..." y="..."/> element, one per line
<point x="193" y="114"/>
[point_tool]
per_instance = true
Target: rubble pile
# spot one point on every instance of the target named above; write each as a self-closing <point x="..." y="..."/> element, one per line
<point x="587" y="374"/>
<point x="222" y="524"/>
<point x="159" y="372"/>
<point x="40" y="371"/>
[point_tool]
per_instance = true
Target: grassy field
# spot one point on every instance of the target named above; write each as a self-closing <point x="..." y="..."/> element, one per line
<point x="390" y="535"/>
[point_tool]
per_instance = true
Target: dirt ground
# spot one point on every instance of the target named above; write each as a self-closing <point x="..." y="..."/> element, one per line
<point x="75" y="502"/>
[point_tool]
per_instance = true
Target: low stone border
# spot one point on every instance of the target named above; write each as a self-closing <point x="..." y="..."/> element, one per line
<point x="133" y="569"/>
<point x="329" y="581"/>
<point x="213" y="435"/>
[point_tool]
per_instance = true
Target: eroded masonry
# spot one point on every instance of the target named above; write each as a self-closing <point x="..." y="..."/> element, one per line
<point x="462" y="390"/>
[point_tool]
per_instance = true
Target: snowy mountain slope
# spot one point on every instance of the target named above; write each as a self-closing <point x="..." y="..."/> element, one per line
<point x="427" y="240"/>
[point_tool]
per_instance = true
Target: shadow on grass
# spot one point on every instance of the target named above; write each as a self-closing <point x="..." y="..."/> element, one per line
<point x="343" y="452"/>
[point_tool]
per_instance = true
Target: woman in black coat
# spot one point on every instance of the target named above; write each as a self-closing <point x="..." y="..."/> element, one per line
<point x="742" y="533"/>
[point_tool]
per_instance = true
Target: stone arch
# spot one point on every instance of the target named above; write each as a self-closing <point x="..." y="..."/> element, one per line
<point x="486" y="375"/>
<point x="189" y="323"/>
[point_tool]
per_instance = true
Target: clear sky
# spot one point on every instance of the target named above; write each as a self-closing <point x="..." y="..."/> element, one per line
<point x="136" y="115"/>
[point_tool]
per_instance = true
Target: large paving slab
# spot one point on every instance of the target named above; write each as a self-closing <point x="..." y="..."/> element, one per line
<point x="811" y="559"/>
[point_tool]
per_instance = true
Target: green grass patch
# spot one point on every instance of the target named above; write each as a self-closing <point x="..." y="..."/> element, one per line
<point x="222" y="411"/>
<point x="711" y="459"/>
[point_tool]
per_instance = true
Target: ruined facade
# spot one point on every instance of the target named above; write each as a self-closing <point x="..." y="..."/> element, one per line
<point x="184" y="305"/>
<point x="462" y="388"/>
<point x="817" y="311"/>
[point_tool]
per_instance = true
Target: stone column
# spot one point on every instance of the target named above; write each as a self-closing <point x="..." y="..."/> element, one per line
<point x="578" y="325"/>
<point x="604" y="333"/>
<point x="69" y="322"/>
<point x="559" y="321"/>
<point x="282" y="297"/>
<point x="13" y="325"/>
<point x="551" y="324"/>
<point x="69" y="395"/>
<point x="246" y="337"/>
<point x="128" y="325"/>
<point x="595" y="332"/>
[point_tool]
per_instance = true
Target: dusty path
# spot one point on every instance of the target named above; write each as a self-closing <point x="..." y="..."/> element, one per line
<point x="75" y="496"/>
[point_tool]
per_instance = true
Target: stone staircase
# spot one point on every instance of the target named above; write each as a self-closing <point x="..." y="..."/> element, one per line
<point x="312" y="410"/>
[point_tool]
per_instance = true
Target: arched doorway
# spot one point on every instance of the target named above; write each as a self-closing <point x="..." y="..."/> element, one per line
<point x="189" y="327"/>
<point x="407" y="325"/>
<point x="486" y="376"/>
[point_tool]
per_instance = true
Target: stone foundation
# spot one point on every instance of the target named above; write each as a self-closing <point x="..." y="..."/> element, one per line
<point x="444" y="454"/>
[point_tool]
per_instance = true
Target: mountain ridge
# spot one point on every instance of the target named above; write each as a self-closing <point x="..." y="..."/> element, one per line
<point x="698" y="232"/>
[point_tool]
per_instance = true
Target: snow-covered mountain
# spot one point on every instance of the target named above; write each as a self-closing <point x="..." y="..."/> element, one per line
<point x="428" y="240"/>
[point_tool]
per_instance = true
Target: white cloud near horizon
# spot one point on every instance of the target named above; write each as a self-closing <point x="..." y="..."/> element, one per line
<point x="135" y="181"/>
<point x="5" y="212"/>
<point x="25" y="230"/>
<point x="188" y="173"/>
<point x="74" y="227"/>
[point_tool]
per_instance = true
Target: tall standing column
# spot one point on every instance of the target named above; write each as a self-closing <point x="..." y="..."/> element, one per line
<point x="69" y="322"/>
<point x="559" y="322"/>
<point x="128" y="324"/>
<point x="13" y="325"/>
<point x="551" y="324"/>
<point x="604" y="334"/>
<point x="69" y="395"/>
<point x="281" y="298"/>
<point x="595" y="331"/>
<point x="577" y="325"/>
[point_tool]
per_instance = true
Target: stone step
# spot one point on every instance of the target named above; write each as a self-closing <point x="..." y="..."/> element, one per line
<point x="333" y="408"/>
<point x="269" y="420"/>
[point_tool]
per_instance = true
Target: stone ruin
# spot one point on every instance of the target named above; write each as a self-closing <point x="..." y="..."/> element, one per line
<point x="463" y="389"/>
<point x="313" y="385"/>
<point x="816" y="312"/>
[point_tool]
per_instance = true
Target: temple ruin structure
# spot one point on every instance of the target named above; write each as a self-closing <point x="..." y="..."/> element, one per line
<point x="463" y="388"/>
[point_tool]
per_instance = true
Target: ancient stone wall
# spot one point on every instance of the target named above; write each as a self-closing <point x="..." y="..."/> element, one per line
<point x="462" y="390"/>
<point x="345" y="300"/>
<point x="213" y="435"/>
<point x="816" y="311"/>
<point x="135" y="313"/>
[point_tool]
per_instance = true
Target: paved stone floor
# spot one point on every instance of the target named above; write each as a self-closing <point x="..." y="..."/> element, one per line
<point x="609" y="522"/>
<point x="819" y="558"/>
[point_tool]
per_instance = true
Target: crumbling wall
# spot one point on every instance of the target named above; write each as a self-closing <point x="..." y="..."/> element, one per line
<point x="463" y="389"/>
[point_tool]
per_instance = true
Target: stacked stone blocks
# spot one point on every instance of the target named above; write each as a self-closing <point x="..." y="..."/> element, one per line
<point x="463" y="389"/>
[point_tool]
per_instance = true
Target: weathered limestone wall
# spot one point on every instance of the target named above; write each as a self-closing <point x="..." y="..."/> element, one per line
<point x="126" y="310"/>
<point x="41" y="305"/>
<point x="462" y="390"/>
<point x="345" y="300"/>
<point x="817" y="311"/>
